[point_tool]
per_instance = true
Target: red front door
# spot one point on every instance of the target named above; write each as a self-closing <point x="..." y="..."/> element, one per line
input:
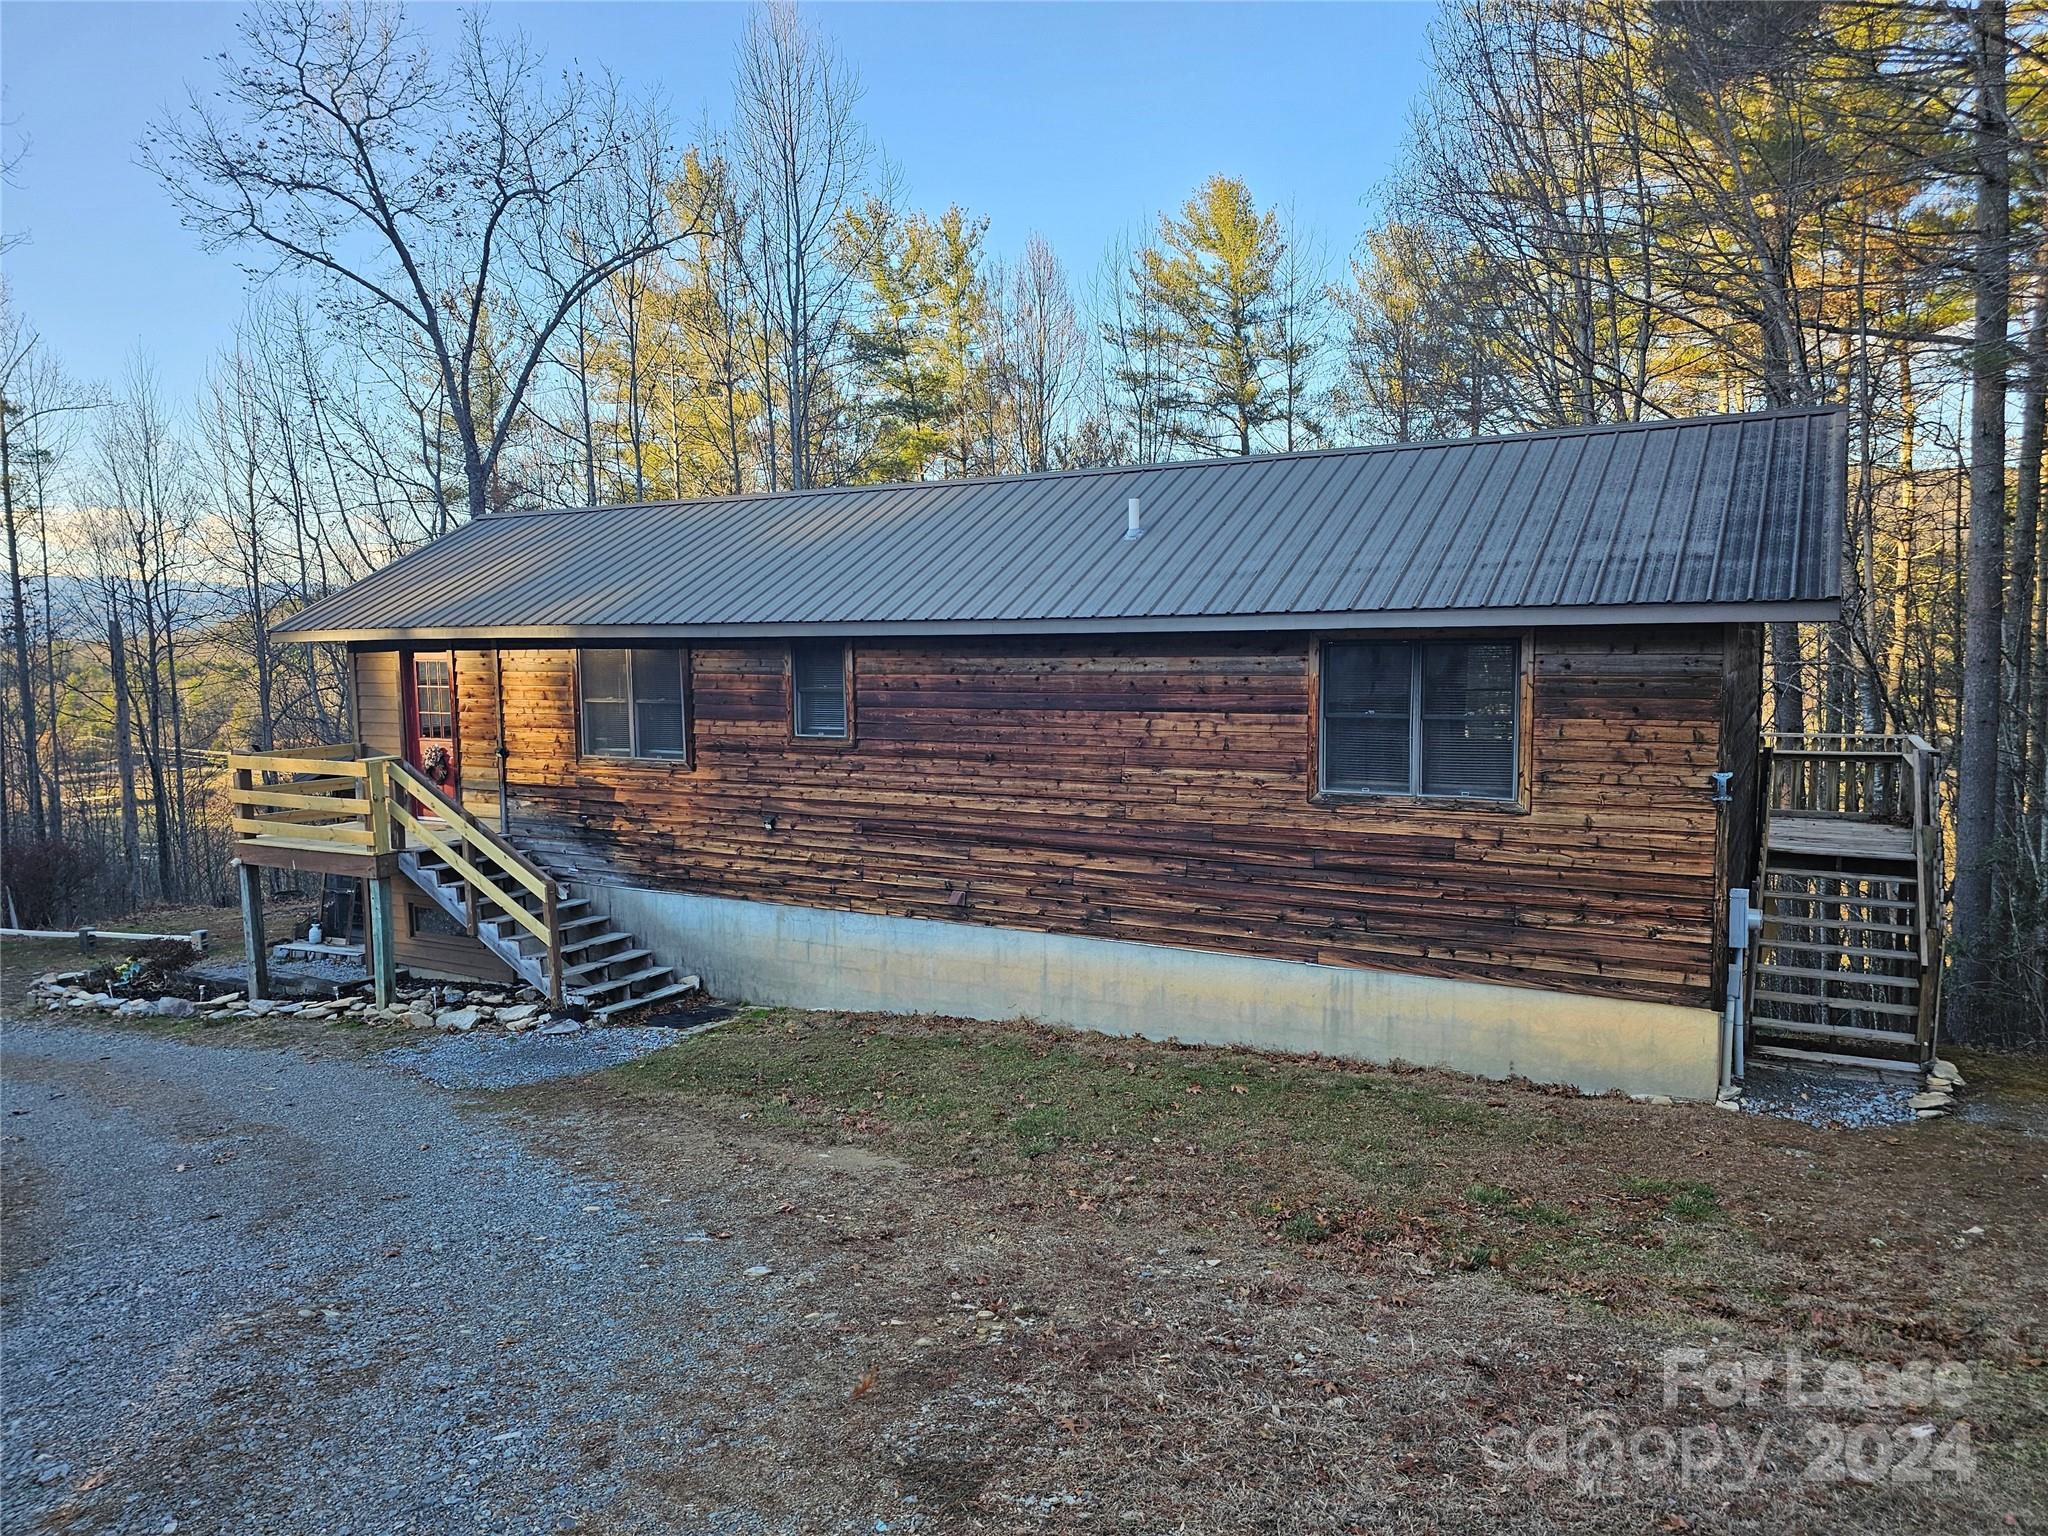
<point x="430" y="738"/>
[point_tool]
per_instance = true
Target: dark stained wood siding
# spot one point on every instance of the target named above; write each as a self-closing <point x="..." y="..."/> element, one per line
<point x="1157" y="789"/>
<point x="1741" y="831"/>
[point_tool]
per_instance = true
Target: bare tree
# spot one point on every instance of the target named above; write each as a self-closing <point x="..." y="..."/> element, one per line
<point x="1041" y="352"/>
<point x="802" y="159"/>
<point x="439" y="194"/>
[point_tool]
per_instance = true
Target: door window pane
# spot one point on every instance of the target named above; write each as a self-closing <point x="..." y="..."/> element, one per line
<point x="433" y="692"/>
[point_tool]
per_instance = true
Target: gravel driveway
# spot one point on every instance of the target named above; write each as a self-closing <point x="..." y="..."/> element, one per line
<point x="255" y="1290"/>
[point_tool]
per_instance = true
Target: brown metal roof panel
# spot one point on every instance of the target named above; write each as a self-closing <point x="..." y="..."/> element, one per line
<point x="1628" y="526"/>
<point x="1438" y="541"/>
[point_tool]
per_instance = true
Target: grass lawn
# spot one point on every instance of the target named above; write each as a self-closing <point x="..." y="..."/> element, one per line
<point x="1053" y="1280"/>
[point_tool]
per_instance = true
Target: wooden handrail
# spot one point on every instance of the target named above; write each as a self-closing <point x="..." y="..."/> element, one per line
<point x="338" y="800"/>
<point x="470" y="836"/>
<point x="1874" y="777"/>
<point x="515" y="863"/>
<point x="448" y="849"/>
<point x="298" y="760"/>
<point x="319" y="802"/>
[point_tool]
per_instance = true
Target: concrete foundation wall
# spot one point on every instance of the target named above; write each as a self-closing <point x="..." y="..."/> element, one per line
<point x="806" y="957"/>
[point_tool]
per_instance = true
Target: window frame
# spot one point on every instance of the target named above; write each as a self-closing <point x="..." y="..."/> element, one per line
<point x="812" y="739"/>
<point x="1320" y="792"/>
<point x="687" y="758"/>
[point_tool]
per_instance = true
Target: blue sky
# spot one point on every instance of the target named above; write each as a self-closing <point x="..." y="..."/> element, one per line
<point x="1076" y="120"/>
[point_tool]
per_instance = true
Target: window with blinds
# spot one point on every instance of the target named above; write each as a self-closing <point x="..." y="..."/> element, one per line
<point x="632" y="703"/>
<point x="1421" y="717"/>
<point x="817" y="677"/>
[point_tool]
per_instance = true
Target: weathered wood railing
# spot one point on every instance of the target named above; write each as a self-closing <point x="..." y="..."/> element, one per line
<point x="1890" y="779"/>
<point x="1885" y="781"/>
<point x="1863" y="778"/>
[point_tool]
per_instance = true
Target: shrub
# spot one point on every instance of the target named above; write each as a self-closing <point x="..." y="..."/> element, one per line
<point x="50" y="880"/>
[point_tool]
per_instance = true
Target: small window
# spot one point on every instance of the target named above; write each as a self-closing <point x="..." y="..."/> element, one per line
<point x="817" y="672"/>
<point x="633" y="703"/>
<point x="427" y="922"/>
<point x="1428" y="717"/>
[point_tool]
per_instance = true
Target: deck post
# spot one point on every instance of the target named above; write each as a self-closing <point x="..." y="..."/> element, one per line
<point x="255" y="948"/>
<point x="383" y="951"/>
<point x="553" y="918"/>
<point x="383" y="945"/>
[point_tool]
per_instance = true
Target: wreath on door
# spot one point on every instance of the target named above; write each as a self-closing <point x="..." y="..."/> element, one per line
<point x="439" y="766"/>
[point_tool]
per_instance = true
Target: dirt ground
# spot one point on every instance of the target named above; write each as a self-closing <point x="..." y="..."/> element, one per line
<point x="1024" y="1280"/>
<point x="1045" y="1282"/>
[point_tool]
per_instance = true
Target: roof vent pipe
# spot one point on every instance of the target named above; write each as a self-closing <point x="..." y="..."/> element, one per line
<point x="1135" y="525"/>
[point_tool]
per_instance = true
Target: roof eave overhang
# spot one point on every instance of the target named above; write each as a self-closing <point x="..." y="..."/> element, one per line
<point x="1798" y="610"/>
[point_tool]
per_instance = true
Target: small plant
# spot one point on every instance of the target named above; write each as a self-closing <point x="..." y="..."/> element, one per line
<point x="1696" y="1202"/>
<point x="1491" y="1196"/>
<point x="1308" y="1227"/>
<point x="1688" y="1202"/>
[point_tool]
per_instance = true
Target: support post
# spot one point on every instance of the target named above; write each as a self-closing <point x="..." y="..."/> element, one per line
<point x="554" y="922"/>
<point x="498" y="687"/>
<point x="255" y="947"/>
<point x="383" y="949"/>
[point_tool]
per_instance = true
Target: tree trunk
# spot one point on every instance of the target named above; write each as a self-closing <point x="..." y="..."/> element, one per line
<point x="24" y="673"/>
<point x="2019" y="658"/>
<point x="124" y="755"/>
<point x="1977" y="770"/>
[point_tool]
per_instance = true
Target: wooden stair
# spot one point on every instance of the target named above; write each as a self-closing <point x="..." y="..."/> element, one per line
<point x="1847" y="963"/>
<point x="603" y="968"/>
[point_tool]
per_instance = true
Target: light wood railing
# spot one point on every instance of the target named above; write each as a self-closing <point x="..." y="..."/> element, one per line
<point x="313" y="799"/>
<point x="492" y="870"/>
<point x="337" y="810"/>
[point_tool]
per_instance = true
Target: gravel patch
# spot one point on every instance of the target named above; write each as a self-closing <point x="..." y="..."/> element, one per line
<point x="515" y="1061"/>
<point x="1846" y="1097"/>
<point x="253" y="1291"/>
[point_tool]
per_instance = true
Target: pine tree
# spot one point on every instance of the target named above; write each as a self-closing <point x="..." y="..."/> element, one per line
<point x="1209" y="286"/>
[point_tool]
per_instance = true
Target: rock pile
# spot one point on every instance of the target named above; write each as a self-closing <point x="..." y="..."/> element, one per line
<point x="1943" y="1081"/>
<point x="448" y="1009"/>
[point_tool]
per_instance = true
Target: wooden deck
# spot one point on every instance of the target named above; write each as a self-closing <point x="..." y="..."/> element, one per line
<point x="1838" y="837"/>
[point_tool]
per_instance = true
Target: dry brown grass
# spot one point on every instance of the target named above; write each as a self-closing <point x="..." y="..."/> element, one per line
<point x="1243" y="1293"/>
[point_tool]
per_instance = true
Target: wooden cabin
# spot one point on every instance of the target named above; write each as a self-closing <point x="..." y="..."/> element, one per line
<point x="1444" y="753"/>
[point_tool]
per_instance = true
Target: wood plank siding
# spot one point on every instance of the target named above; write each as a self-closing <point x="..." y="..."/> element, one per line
<point x="1158" y="789"/>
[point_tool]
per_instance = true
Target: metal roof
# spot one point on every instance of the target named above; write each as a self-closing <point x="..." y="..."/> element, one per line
<point x="1726" y="517"/>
